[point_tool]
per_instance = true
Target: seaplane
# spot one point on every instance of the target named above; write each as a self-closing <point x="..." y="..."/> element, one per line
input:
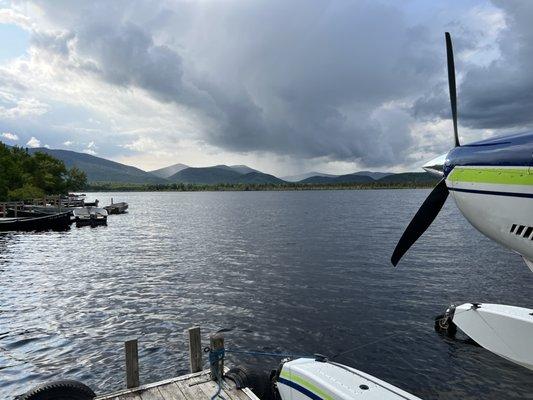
<point x="491" y="182"/>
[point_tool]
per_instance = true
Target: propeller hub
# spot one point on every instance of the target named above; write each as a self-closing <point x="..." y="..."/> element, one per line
<point x="436" y="165"/>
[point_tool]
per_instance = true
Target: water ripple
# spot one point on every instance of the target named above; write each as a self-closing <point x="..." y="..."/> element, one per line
<point x="298" y="272"/>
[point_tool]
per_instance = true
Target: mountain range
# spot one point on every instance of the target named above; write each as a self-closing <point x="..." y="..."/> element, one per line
<point x="102" y="170"/>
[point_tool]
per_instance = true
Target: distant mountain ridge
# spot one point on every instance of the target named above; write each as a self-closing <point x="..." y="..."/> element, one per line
<point x="222" y="174"/>
<point x="100" y="169"/>
<point x="301" y="177"/>
<point x="348" y="178"/>
<point x="106" y="171"/>
<point x="168" y="171"/>
<point x="315" y="175"/>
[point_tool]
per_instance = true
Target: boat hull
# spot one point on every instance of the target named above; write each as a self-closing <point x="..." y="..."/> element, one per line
<point x="305" y="378"/>
<point x="60" y="221"/>
<point x="116" y="208"/>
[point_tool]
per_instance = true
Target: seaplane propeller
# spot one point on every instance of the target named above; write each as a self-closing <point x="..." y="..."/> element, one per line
<point x="431" y="207"/>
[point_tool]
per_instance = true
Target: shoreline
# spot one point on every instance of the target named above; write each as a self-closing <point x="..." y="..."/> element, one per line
<point x="249" y="187"/>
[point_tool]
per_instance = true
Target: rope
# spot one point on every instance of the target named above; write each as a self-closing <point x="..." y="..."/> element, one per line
<point x="266" y="354"/>
<point x="215" y="356"/>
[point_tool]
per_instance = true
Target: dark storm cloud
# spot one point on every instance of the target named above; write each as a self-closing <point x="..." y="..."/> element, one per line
<point x="499" y="95"/>
<point x="299" y="78"/>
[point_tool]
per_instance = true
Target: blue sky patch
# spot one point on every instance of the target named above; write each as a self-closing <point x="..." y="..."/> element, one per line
<point x="15" y="41"/>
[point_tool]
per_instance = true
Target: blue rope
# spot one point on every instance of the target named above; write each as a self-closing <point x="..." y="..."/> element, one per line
<point x="216" y="356"/>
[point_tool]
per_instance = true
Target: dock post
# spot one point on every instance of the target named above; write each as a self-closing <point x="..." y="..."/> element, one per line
<point x="132" y="363"/>
<point x="195" y="349"/>
<point x="216" y="356"/>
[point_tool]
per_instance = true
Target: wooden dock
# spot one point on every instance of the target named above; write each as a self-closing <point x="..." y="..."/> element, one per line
<point x="198" y="385"/>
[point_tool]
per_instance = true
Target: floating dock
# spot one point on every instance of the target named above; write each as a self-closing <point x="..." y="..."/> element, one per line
<point x="198" y="385"/>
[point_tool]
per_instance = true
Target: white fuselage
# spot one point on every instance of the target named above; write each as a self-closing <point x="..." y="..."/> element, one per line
<point x="495" y="201"/>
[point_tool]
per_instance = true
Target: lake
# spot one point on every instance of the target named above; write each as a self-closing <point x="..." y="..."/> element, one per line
<point x="296" y="272"/>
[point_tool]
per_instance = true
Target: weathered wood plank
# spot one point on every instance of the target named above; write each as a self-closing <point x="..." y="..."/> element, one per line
<point x="132" y="363"/>
<point x="112" y="396"/>
<point x="152" y="394"/>
<point x="232" y="392"/>
<point x="195" y="349"/>
<point x="129" y="396"/>
<point x="210" y="388"/>
<point x="198" y="386"/>
<point x="251" y="395"/>
<point x="171" y="391"/>
<point x="191" y="388"/>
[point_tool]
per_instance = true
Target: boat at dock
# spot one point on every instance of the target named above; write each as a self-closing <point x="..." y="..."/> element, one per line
<point x="90" y="216"/>
<point x="295" y="378"/>
<point x="117" y="208"/>
<point x="57" y="221"/>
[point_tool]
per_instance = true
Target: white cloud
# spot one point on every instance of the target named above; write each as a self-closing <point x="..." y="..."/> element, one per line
<point x="33" y="142"/>
<point x="13" y="107"/>
<point x="10" y="136"/>
<point x="91" y="148"/>
<point x="10" y="16"/>
<point x="285" y="98"/>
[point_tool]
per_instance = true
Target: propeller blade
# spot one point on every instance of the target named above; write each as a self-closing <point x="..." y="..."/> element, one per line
<point x="423" y="218"/>
<point x="451" y="83"/>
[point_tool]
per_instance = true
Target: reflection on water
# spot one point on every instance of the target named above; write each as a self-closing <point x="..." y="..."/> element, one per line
<point x="299" y="272"/>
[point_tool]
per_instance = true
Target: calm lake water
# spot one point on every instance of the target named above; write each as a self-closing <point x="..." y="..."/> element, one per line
<point x="298" y="272"/>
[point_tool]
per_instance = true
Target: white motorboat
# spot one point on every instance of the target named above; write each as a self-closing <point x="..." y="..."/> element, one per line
<point x="92" y="216"/>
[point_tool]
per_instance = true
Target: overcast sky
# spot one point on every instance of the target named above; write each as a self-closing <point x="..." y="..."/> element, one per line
<point x="285" y="86"/>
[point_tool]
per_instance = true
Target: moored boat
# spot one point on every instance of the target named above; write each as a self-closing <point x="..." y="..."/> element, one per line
<point x="117" y="208"/>
<point x="92" y="216"/>
<point x="58" y="221"/>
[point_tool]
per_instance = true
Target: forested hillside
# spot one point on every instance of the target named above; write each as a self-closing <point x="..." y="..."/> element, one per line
<point x="28" y="176"/>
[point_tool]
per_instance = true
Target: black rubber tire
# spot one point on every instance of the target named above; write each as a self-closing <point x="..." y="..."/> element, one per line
<point x="60" y="390"/>
<point x="258" y="381"/>
<point x="445" y="325"/>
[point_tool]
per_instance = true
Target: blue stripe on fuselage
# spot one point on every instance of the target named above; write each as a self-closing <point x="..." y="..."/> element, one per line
<point x="513" y="150"/>
<point x="299" y="388"/>
<point x="493" y="193"/>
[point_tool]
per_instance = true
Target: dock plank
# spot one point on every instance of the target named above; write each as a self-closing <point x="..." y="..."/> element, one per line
<point x="171" y="391"/>
<point x="152" y="394"/>
<point x="197" y="386"/>
<point x="128" y="396"/>
<point x="191" y="387"/>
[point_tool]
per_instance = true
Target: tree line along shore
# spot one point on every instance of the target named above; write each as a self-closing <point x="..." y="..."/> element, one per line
<point x="25" y="176"/>
<point x="220" y="187"/>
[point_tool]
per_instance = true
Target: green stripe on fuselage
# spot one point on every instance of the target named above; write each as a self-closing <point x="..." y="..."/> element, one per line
<point x="503" y="176"/>
<point x="308" y="385"/>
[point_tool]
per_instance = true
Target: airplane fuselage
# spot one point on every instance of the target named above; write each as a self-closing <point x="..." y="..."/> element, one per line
<point x="491" y="182"/>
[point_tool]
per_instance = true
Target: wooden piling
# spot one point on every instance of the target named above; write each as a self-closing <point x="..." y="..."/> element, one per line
<point x="216" y="341"/>
<point x="132" y="363"/>
<point x="195" y="349"/>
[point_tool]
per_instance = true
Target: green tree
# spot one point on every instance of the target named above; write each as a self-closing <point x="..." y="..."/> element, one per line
<point x="76" y="179"/>
<point x="24" y="176"/>
<point x="26" y="192"/>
